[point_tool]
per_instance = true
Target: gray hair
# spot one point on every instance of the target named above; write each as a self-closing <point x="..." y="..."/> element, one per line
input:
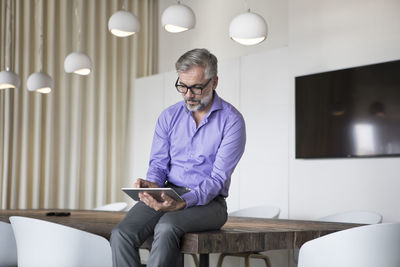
<point x="198" y="57"/>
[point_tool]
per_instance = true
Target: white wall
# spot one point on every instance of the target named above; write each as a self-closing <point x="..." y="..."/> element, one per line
<point x="320" y="36"/>
<point x="313" y="36"/>
<point x="327" y="35"/>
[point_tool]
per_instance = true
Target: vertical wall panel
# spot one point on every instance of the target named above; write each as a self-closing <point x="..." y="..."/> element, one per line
<point x="264" y="101"/>
<point x="148" y="103"/>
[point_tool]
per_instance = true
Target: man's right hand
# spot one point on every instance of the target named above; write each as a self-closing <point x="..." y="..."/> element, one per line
<point x="140" y="183"/>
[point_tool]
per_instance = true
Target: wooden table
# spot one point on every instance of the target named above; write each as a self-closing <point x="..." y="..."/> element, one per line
<point x="237" y="235"/>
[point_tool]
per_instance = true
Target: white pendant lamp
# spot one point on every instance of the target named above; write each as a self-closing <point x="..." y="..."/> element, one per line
<point x="40" y="82"/>
<point x="78" y="63"/>
<point x="123" y="23"/>
<point x="178" y="18"/>
<point x="248" y="29"/>
<point x="9" y="79"/>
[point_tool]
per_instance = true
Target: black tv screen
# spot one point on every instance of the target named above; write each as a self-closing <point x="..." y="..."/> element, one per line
<point x="351" y="112"/>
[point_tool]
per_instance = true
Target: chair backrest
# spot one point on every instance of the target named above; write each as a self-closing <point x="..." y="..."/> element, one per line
<point x="8" y="247"/>
<point x="365" y="246"/>
<point x="267" y="212"/>
<point x="366" y="217"/>
<point x="117" y="206"/>
<point x="46" y="244"/>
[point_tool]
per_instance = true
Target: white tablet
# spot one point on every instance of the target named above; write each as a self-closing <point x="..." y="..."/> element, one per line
<point x="154" y="192"/>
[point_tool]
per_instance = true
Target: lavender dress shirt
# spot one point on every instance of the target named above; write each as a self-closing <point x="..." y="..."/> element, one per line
<point x="200" y="158"/>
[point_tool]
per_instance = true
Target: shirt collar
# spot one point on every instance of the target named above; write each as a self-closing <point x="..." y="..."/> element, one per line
<point x="217" y="103"/>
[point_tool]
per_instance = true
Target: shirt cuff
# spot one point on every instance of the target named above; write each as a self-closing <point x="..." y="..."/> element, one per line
<point x="160" y="183"/>
<point x="190" y="198"/>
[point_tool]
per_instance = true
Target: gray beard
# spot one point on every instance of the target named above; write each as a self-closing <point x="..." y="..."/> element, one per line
<point x="201" y="103"/>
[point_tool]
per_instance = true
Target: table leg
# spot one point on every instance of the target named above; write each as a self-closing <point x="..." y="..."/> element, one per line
<point x="204" y="260"/>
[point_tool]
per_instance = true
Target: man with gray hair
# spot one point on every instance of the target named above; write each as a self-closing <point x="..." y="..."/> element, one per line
<point x="196" y="146"/>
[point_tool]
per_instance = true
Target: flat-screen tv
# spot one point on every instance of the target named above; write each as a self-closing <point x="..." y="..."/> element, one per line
<point x="348" y="113"/>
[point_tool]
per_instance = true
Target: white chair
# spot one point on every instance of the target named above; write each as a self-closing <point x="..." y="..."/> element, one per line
<point x="46" y="244"/>
<point x="362" y="217"/>
<point x="365" y="246"/>
<point x="116" y="206"/>
<point x="266" y="212"/>
<point x="8" y="247"/>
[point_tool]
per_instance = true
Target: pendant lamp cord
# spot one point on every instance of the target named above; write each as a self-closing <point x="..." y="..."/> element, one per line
<point x="124" y="7"/>
<point x="41" y="35"/>
<point x="246" y="5"/>
<point x="78" y="25"/>
<point x="12" y="35"/>
<point x="8" y="25"/>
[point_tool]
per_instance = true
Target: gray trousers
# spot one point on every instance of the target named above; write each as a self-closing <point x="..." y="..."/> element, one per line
<point x="167" y="227"/>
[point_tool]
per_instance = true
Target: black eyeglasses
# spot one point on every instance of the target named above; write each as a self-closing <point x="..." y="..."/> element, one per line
<point x="196" y="89"/>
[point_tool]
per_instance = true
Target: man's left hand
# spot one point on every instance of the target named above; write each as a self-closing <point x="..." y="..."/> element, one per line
<point x="167" y="205"/>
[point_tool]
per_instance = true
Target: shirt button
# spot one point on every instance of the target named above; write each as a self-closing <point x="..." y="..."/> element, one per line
<point x="186" y="168"/>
